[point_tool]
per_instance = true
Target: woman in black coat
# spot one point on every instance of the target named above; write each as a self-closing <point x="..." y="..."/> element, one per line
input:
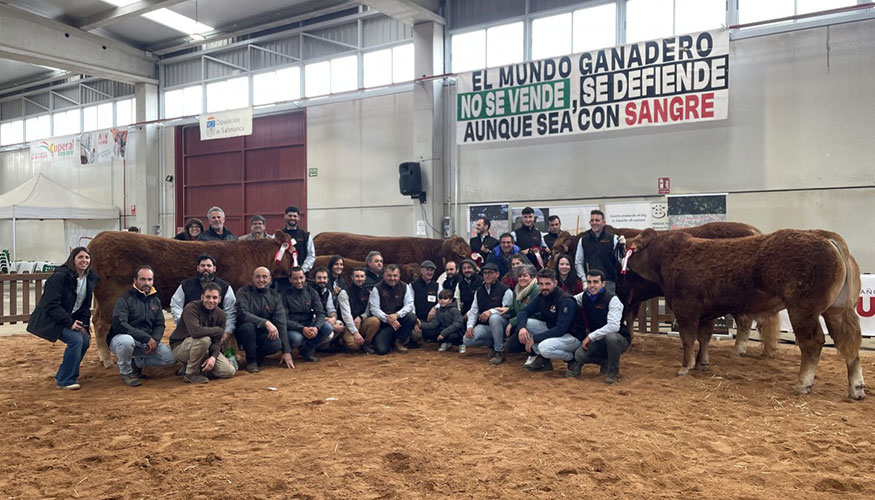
<point x="192" y="229"/>
<point x="64" y="313"/>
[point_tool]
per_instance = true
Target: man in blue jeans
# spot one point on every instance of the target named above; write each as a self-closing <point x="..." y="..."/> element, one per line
<point x="305" y="316"/>
<point x="486" y="321"/>
<point x="560" y="330"/>
<point x="137" y="329"/>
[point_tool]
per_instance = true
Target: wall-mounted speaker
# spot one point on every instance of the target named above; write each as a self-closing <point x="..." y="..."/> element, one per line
<point x="410" y="180"/>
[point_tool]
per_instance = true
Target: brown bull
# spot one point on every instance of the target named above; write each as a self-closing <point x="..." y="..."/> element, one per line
<point x="409" y="272"/>
<point x="395" y="250"/>
<point x="115" y="256"/>
<point x="633" y="290"/>
<point x="810" y="273"/>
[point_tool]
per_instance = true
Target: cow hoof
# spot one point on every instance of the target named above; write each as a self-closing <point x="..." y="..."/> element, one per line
<point x="683" y="371"/>
<point x="108" y="363"/>
<point x="857" y="393"/>
<point x="770" y="354"/>
<point x="739" y="354"/>
<point x="704" y="367"/>
<point x="803" y="389"/>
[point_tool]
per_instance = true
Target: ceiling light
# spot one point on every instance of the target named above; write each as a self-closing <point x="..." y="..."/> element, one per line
<point x="197" y="37"/>
<point x="177" y="21"/>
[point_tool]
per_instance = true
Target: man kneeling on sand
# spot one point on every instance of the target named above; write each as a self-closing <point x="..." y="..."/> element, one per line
<point x="197" y="340"/>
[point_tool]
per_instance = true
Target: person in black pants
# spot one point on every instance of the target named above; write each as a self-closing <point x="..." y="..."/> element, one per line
<point x="392" y="303"/>
<point x="261" y="322"/>
<point x="64" y="313"/>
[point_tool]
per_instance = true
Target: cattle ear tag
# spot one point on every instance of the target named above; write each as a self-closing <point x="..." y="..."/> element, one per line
<point x="294" y="242"/>
<point x="279" y="253"/>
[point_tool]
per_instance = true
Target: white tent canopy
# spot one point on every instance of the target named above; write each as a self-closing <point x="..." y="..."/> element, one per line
<point x="42" y="198"/>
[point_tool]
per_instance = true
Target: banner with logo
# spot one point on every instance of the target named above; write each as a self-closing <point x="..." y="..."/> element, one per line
<point x="691" y="210"/>
<point x="56" y="148"/>
<point x="680" y="79"/>
<point x="232" y="123"/>
<point x="102" y="146"/>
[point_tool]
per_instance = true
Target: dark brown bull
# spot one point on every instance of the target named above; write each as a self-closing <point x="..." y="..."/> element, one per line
<point x="810" y="273"/>
<point x="115" y="255"/>
<point x="409" y="272"/>
<point x="395" y="250"/>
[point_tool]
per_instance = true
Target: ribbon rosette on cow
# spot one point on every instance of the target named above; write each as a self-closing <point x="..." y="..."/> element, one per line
<point x="476" y="257"/>
<point x="282" y="250"/>
<point x="539" y="259"/>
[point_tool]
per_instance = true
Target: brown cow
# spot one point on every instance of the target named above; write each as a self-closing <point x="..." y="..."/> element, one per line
<point x="394" y="249"/>
<point x="409" y="272"/>
<point x="115" y="255"/>
<point x="810" y="273"/>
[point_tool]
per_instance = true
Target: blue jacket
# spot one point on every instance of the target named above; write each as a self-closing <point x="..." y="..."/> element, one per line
<point x="496" y="258"/>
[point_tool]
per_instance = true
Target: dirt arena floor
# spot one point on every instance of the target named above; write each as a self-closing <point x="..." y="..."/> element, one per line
<point x="438" y="425"/>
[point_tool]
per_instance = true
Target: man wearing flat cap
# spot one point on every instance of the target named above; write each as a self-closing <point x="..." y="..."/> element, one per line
<point x="486" y="323"/>
<point x="425" y="291"/>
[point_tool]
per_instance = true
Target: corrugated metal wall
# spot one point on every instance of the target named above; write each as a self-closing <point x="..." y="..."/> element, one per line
<point x="382" y="30"/>
<point x="464" y="13"/>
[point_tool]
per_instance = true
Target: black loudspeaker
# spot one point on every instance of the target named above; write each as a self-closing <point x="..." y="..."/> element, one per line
<point x="410" y="180"/>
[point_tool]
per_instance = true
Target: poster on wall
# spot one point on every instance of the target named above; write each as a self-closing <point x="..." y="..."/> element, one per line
<point x="56" y="148"/>
<point x="865" y="309"/>
<point x="629" y="215"/>
<point x="497" y="215"/>
<point x="224" y="124"/>
<point x="680" y="79"/>
<point x="575" y="219"/>
<point x="691" y="210"/>
<point x="102" y="146"/>
<point x="659" y="216"/>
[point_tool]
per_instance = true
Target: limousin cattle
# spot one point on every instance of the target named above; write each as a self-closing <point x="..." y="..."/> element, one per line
<point x="115" y="256"/>
<point x="394" y="249"/>
<point x="810" y="273"/>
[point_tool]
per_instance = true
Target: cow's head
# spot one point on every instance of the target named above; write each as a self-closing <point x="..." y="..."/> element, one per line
<point x="456" y="249"/>
<point x="643" y="259"/>
<point x="282" y="261"/>
<point x="565" y="244"/>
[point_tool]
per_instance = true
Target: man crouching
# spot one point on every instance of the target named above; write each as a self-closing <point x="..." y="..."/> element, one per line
<point x="197" y="340"/>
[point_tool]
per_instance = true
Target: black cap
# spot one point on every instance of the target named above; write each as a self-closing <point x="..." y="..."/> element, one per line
<point x="428" y="264"/>
<point x="490" y="266"/>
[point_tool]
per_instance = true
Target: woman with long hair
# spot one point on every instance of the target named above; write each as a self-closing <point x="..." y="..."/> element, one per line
<point x="567" y="277"/>
<point x="192" y="229"/>
<point x="64" y="313"/>
<point x="336" y="283"/>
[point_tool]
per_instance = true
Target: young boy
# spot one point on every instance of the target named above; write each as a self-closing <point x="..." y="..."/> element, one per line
<point x="447" y="326"/>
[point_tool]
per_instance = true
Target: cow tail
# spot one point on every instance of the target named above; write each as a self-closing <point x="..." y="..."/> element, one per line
<point x="848" y="336"/>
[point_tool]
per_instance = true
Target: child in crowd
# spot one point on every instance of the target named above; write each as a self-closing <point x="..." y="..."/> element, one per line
<point x="447" y="323"/>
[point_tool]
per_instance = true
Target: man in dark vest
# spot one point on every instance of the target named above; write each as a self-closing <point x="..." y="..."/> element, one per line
<point x="320" y="284"/>
<point x="425" y="292"/>
<point x="600" y="249"/>
<point x="554" y="227"/>
<point x="450" y="277"/>
<point x="373" y="277"/>
<point x="391" y="302"/>
<point x="502" y="254"/>
<point x="261" y="327"/>
<point x="352" y="304"/>
<point x="301" y="239"/>
<point x="528" y="238"/>
<point x="192" y="289"/>
<point x="607" y="337"/>
<point x="483" y="243"/>
<point x="305" y="316"/>
<point x="486" y="322"/>
<point x="558" y="333"/>
<point x="468" y="284"/>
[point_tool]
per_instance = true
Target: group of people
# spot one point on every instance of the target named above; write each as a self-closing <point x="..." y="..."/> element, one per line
<point x="508" y="305"/>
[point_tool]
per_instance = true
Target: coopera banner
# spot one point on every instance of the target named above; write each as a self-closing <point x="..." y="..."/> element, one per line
<point x="679" y="79"/>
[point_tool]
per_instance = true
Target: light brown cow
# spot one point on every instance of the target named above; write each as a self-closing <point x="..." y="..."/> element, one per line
<point x="115" y="255"/>
<point x="394" y="249"/>
<point x="810" y="273"/>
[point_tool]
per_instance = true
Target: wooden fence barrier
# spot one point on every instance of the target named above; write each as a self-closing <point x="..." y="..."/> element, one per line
<point x="16" y="289"/>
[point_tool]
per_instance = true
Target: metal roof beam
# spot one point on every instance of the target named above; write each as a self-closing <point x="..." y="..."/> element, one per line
<point x="116" y="14"/>
<point x="37" y="40"/>
<point x="408" y="11"/>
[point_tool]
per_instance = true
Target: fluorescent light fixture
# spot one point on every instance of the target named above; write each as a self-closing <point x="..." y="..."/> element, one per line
<point x="198" y="37"/>
<point x="177" y="21"/>
<point x="120" y="3"/>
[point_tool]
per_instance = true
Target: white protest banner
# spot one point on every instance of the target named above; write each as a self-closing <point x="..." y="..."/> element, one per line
<point x="680" y="79"/>
<point x="102" y="146"/>
<point x="223" y="124"/>
<point x="53" y="149"/>
<point x="629" y="215"/>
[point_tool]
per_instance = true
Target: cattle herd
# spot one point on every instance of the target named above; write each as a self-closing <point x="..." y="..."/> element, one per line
<point x="704" y="273"/>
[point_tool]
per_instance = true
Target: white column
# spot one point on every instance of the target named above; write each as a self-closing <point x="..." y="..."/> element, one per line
<point x="144" y="181"/>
